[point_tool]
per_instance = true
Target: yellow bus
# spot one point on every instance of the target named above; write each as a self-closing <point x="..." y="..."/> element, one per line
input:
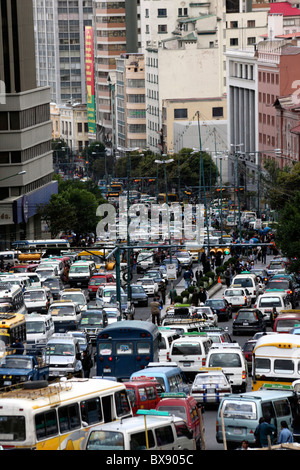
<point x="98" y="256"/>
<point x="162" y="198"/>
<point x="276" y="359"/>
<point x="56" y="416"/>
<point x="12" y="326"/>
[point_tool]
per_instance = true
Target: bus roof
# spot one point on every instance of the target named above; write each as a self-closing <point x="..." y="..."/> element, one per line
<point x="131" y="325"/>
<point x="57" y="392"/>
<point x="283" y="341"/>
<point x="10" y="319"/>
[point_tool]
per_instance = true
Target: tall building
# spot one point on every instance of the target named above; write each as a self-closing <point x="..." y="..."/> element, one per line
<point x="26" y="165"/>
<point x="115" y="33"/>
<point x="59" y="43"/>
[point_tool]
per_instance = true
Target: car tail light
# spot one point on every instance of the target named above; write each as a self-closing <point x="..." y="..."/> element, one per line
<point x="222" y="309"/>
<point x="217" y="426"/>
<point x="245" y="299"/>
<point x="203" y="361"/>
<point x="289" y="292"/>
<point x="243" y="374"/>
<point x="168" y="356"/>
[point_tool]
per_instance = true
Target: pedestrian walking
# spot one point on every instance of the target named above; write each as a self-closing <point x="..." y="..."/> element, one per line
<point x="163" y="292"/>
<point x="227" y="276"/>
<point x="155" y="311"/>
<point x="87" y="364"/>
<point x="266" y="430"/>
<point x="285" y="434"/>
<point x="187" y="276"/>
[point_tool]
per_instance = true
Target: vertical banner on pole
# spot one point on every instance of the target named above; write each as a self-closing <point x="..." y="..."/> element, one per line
<point x="90" y="84"/>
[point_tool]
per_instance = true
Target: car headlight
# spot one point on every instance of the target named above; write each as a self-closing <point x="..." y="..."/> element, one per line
<point x="23" y="378"/>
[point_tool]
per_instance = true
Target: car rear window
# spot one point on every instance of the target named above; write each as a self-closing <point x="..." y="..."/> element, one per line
<point x="239" y="409"/>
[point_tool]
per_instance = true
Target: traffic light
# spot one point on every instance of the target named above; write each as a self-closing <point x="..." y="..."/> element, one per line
<point x="219" y="190"/>
<point x="240" y="189"/>
<point x="152" y="180"/>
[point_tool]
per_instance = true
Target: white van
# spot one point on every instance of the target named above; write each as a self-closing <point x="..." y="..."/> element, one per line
<point x="46" y="270"/>
<point x="267" y="301"/>
<point x="230" y="357"/>
<point x="247" y="281"/>
<point x="66" y="316"/>
<point x="35" y="280"/>
<point x="39" y="329"/>
<point x="75" y="295"/>
<point x="54" y="262"/>
<point x="61" y="352"/>
<point x="9" y="257"/>
<point x="37" y="299"/>
<point x="169" y="433"/>
<point x="190" y="352"/>
<point x="80" y="273"/>
<point x="167" y="336"/>
<point x="144" y="261"/>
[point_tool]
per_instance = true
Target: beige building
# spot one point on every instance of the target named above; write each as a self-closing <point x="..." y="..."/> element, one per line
<point x="130" y="102"/>
<point x="69" y="122"/>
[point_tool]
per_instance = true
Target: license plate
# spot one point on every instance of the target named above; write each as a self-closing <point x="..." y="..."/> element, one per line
<point x="107" y="369"/>
<point x="210" y="390"/>
<point x="246" y="323"/>
<point x="186" y="364"/>
<point x="237" y="431"/>
<point x="7" y="382"/>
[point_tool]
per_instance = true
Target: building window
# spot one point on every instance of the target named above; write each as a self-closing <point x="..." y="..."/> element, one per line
<point x="180" y="113"/>
<point x="251" y="40"/>
<point x="217" y="112"/>
<point x="162" y="12"/>
<point x="162" y="28"/>
<point x="251" y="24"/>
<point x="234" y="24"/>
<point x="234" y="41"/>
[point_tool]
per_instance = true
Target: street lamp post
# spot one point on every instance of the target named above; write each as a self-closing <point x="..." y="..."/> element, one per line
<point x="164" y="162"/>
<point x="15" y="174"/>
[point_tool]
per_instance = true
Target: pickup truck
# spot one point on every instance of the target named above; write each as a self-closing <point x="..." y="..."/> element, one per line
<point x="15" y="369"/>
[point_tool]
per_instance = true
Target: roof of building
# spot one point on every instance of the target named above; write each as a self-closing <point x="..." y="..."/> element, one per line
<point x="284" y="8"/>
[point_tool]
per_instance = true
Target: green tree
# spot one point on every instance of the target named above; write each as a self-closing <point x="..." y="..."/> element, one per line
<point x="288" y="238"/>
<point x="59" y="214"/>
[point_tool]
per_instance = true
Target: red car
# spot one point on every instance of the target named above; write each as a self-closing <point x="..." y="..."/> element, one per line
<point x="143" y="394"/>
<point x="97" y="280"/>
<point x="186" y="407"/>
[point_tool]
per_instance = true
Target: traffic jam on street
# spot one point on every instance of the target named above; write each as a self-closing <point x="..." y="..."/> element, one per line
<point x="198" y="342"/>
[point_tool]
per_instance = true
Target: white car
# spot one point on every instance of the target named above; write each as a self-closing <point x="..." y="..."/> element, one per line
<point x="149" y="285"/>
<point x="208" y="312"/>
<point x="184" y="258"/>
<point x="75" y="295"/>
<point x="237" y="297"/>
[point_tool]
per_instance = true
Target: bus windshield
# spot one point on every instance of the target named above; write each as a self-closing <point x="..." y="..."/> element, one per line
<point x="35" y="327"/>
<point x="9" y="362"/>
<point x="62" y="311"/>
<point x="91" y="319"/>
<point x="6" y="306"/>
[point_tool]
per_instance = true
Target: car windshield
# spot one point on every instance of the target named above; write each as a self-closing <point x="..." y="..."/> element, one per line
<point x="146" y="282"/>
<point x="61" y="349"/>
<point x="79" y="269"/>
<point x="9" y="362"/>
<point x="34" y="296"/>
<point x="51" y="283"/>
<point x="108" y="292"/>
<point x="137" y="289"/>
<point x="77" y="298"/>
<point x="92" y="319"/>
<point x="61" y="311"/>
<point x="97" y="281"/>
<point x="35" y="327"/>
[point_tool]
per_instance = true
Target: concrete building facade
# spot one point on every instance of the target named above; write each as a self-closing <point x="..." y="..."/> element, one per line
<point x="25" y="130"/>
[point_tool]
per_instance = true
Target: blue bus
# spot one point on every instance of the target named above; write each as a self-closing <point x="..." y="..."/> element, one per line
<point x="125" y="347"/>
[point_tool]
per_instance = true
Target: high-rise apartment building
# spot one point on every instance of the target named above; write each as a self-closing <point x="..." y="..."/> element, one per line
<point x="115" y="33"/>
<point x="26" y="166"/>
<point x="59" y="41"/>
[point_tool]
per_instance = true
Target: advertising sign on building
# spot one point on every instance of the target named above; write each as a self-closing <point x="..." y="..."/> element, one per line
<point x="90" y="84"/>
